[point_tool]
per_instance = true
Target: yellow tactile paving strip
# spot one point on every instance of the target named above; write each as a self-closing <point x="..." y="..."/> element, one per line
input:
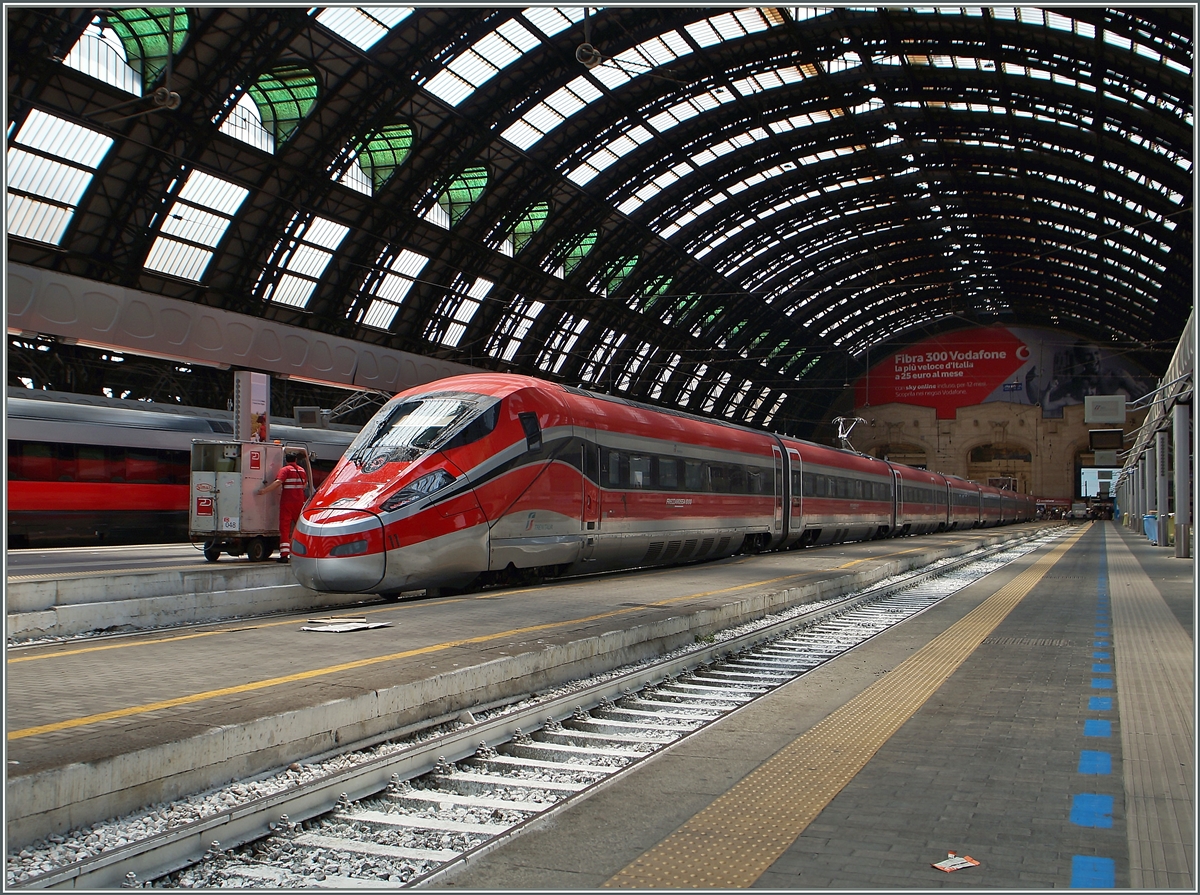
<point x="733" y="841"/>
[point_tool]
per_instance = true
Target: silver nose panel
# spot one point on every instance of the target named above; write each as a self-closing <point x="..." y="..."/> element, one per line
<point x="344" y="574"/>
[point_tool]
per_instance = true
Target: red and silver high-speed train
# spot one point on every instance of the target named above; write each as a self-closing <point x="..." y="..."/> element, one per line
<point x="84" y="470"/>
<point x="492" y="478"/>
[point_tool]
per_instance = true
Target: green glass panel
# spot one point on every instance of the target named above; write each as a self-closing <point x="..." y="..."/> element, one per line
<point x="737" y="328"/>
<point x="149" y="36"/>
<point x="284" y="96"/>
<point x="713" y="315"/>
<point x="758" y="339"/>
<point x="778" y="348"/>
<point x="685" y="304"/>
<point x="463" y="192"/>
<point x="579" y="251"/>
<point x="528" y="224"/>
<point x="791" y="362"/>
<point x="383" y="153"/>
<point x="618" y="273"/>
<point x="654" y="291"/>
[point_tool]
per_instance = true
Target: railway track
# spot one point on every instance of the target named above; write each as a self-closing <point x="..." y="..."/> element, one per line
<point x="410" y="814"/>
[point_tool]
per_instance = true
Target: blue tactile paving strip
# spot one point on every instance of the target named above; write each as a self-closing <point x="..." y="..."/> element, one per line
<point x="1093" y="809"/>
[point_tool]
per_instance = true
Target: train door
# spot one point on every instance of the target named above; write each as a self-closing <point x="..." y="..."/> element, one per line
<point x="795" y="490"/>
<point x="589" y="483"/>
<point x="779" y="483"/>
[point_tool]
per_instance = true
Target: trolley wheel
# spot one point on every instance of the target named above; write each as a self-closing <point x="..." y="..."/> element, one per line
<point x="257" y="550"/>
<point x="212" y="550"/>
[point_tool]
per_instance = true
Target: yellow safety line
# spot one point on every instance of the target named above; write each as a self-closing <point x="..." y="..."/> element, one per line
<point x="58" y="654"/>
<point x="737" y="838"/>
<point x="192" y="698"/>
<point x="360" y="663"/>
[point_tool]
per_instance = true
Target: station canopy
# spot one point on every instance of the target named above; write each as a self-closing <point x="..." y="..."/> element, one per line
<point x="723" y="210"/>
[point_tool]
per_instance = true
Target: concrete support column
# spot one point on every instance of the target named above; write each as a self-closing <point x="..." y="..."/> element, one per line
<point x="1181" y="423"/>
<point x="1161" y="498"/>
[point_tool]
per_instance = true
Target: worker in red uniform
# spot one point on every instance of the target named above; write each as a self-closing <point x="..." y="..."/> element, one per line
<point x="293" y="479"/>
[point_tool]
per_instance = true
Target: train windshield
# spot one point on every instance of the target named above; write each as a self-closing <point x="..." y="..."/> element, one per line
<point x="404" y="429"/>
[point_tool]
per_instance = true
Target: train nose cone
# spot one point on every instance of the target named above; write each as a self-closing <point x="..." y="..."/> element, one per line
<point x="356" y="561"/>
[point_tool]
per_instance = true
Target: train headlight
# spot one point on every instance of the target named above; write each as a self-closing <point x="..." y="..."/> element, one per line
<point x="422" y="487"/>
<point x="352" y="549"/>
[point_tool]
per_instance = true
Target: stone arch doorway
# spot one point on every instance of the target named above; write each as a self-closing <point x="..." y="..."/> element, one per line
<point x="1005" y="465"/>
<point x="902" y="452"/>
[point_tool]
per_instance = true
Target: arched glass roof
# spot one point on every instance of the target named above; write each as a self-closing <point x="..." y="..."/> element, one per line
<point x="724" y="210"/>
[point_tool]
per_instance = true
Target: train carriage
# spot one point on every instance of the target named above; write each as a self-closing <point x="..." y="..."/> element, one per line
<point x="88" y="470"/>
<point x="964" y="503"/>
<point x="836" y="496"/>
<point x="922" y="500"/>
<point x="511" y="478"/>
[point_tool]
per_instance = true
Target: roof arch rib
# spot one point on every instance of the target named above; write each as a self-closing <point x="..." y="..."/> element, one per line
<point x="725" y="210"/>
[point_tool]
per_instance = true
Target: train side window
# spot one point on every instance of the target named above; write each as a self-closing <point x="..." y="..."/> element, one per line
<point x="533" y="431"/>
<point x="640" y="472"/>
<point x="810" y="484"/>
<point x="736" y="476"/>
<point x="610" y="468"/>
<point x="858" y="489"/>
<point x="693" y="475"/>
<point x="797" y="483"/>
<point x="755" y="481"/>
<point x="822" y="486"/>
<point x="668" y="473"/>
<point x="30" y="461"/>
<point x="717" y="480"/>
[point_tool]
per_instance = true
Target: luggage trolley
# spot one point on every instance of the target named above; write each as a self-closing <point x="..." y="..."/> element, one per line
<point x="224" y="513"/>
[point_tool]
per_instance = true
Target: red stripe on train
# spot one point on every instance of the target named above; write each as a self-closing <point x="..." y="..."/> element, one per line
<point x="67" y="496"/>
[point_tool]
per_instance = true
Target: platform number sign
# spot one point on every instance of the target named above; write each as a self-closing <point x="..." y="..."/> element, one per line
<point x="204" y="506"/>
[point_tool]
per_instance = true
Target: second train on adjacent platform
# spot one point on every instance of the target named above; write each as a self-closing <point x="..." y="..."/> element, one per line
<point x="493" y="478"/>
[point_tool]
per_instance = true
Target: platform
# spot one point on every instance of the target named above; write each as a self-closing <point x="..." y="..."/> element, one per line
<point x="1039" y="721"/>
<point x="99" y="728"/>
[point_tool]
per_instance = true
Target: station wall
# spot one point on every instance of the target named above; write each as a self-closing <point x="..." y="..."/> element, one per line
<point x="986" y="440"/>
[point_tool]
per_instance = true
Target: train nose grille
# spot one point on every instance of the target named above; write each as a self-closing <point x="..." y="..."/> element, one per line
<point x="351" y="566"/>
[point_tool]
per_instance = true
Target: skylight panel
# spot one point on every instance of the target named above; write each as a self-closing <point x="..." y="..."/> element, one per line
<point x="305" y="256"/>
<point x="664" y="375"/>
<point x="100" y="54"/>
<point x="507" y="339"/>
<point x="550" y="113"/>
<point x="470" y="70"/>
<point x="393" y="287"/>
<point x="552" y="20"/>
<point x="363" y="26"/>
<point x="465" y="311"/>
<point x="194" y="225"/>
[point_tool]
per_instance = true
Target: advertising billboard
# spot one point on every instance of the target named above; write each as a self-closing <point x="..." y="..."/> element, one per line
<point x="1020" y="365"/>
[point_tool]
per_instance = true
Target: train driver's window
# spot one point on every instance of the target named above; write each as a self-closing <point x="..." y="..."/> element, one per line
<point x="640" y="472"/>
<point x="693" y="475"/>
<point x="533" y="431"/>
<point x="668" y="473"/>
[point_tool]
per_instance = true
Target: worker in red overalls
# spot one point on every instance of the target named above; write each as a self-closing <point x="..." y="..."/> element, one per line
<point x="293" y="479"/>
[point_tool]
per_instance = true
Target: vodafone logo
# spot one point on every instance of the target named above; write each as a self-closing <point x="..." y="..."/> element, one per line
<point x="1023" y="352"/>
